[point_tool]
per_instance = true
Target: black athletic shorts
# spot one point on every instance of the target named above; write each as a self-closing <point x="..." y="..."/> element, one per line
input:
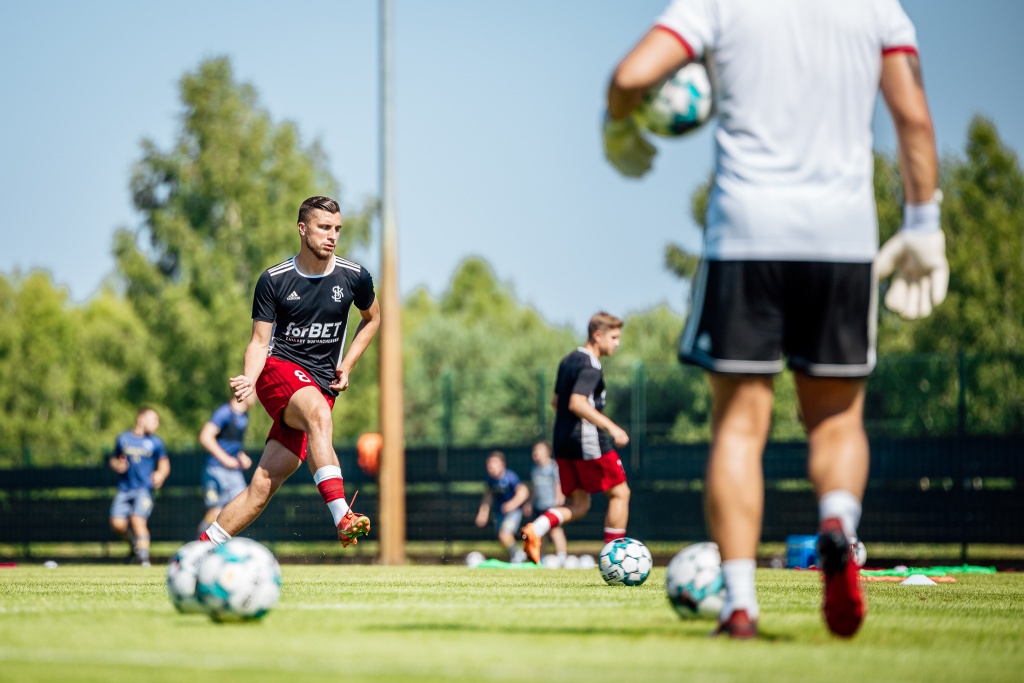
<point x="746" y="315"/>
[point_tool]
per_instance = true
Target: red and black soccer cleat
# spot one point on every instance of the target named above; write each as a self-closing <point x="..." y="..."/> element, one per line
<point x="843" y="603"/>
<point x="739" y="625"/>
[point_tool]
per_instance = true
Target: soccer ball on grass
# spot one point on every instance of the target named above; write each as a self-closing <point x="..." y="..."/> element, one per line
<point x="625" y="562"/>
<point x="238" y="581"/>
<point x="181" y="576"/>
<point x="679" y="105"/>
<point x="694" y="581"/>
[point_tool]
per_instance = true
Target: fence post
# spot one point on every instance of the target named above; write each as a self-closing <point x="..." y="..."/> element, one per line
<point x="961" y="370"/>
<point x="638" y="415"/>
<point x="447" y="408"/>
<point x="964" y="479"/>
<point x="542" y="404"/>
<point x="447" y="402"/>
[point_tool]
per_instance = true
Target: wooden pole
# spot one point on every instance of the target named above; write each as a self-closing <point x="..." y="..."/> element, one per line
<point x="392" y="419"/>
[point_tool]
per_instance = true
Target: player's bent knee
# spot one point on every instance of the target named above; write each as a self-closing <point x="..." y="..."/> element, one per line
<point x="262" y="488"/>
<point x="320" y="420"/>
<point x="579" y="505"/>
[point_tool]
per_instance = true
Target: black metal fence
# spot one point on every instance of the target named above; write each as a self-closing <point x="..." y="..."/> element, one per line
<point x="939" y="490"/>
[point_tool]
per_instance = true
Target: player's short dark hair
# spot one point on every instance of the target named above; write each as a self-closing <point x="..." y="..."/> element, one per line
<point x="313" y="203"/>
<point x="145" y="409"/>
<point x="602" y="322"/>
<point x="496" y="454"/>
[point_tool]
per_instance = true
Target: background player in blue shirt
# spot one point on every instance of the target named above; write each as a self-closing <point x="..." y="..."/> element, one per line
<point x="223" y="437"/>
<point x="140" y="459"/>
<point x="506" y="493"/>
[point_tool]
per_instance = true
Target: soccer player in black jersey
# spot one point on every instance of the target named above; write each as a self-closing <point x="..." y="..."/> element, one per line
<point x="585" y="440"/>
<point x="303" y="304"/>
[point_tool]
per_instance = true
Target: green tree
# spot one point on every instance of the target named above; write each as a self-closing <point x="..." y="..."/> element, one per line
<point x="217" y="208"/>
<point x="983" y="315"/>
<point x="71" y="377"/>
<point x="916" y="387"/>
<point x="492" y="349"/>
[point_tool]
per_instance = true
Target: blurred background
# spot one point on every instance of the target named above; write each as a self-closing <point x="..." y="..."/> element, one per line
<point x="152" y="158"/>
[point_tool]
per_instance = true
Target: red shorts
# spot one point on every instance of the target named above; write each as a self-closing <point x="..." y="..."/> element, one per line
<point x="593" y="476"/>
<point x="277" y="383"/>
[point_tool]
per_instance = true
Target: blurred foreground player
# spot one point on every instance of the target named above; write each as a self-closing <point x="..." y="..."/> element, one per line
<point x="585" y="440"/>
<point x="304" y="303"/>
<point x="788" y="248"/>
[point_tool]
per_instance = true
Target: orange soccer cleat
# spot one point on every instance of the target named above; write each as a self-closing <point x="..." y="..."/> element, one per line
<point x="352" y="526"/>
<point x="531" y="543"/>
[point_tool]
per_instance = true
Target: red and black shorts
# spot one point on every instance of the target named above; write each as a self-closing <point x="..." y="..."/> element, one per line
<point x="276" y="385"/>
<point x="746" y="315"/>
<point x="593" y="476"/>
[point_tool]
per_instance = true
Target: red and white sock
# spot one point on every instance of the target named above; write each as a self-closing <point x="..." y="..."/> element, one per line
<point x="332" y="490"/>
<point x="611" y="534"/>
<point x="547" y="521"/>
<point x="215" y="534"/>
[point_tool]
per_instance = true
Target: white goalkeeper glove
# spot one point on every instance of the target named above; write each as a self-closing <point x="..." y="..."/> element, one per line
<point x="917" y="256"/>
<point x="626" y="148"/>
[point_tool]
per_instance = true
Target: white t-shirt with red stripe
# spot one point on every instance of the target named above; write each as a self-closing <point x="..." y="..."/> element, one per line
<point x="796" y="84"/>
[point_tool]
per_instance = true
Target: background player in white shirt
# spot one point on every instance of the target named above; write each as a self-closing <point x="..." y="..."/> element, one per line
<point x="791" y="234"/>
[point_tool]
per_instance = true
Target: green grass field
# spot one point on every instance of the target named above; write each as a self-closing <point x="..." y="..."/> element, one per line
<point x="357" y="623"/>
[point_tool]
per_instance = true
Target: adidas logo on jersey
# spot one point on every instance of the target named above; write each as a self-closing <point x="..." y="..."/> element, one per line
<point x="293" y="296"/>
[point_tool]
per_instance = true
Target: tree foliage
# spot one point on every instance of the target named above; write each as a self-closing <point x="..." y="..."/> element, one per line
<point x="218" y="207"/>
<point x="974" y="338"/>
<point x="480" y="356"/>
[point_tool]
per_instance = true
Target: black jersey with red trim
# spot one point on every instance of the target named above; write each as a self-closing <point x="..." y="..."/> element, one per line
<point x="575" y="438"/>
<point x="310" y="313"/>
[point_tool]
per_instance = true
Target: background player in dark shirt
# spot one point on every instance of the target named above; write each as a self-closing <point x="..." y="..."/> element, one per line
<point x="585" y="440"/>
<point x="304" y="304"/>
<point x="223" y="437"/>
<point x="505" y="494"/>
<point x="140" y="460"/>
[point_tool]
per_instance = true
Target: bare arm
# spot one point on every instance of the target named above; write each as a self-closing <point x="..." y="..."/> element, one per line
<point x="485" y="508"/>
<point x="255" y="359"/>
<point x="163" y="469"/>
<point x="364" y="334"/>
<point x="581" y="408"/>
<point x="903" y="90"/>
<point x="521" y="495"/>
<point x="658" y="55"/>
<point x="118" y="463"/>
<point x="208" y="440"/>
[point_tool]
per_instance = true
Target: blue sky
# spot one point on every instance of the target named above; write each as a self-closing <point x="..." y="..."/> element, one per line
<point x="497" y="110"/>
